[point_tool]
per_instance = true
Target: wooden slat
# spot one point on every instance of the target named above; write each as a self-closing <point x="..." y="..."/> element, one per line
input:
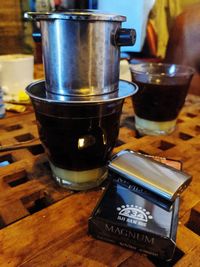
<point x="191" y="259"/>
<point x="66" y="224"/>
<point x="13" y="212"/>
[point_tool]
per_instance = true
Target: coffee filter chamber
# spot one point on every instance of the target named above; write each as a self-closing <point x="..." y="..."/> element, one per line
<point x="81" y="50"/>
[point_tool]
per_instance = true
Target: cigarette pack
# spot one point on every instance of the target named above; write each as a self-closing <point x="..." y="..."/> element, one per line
<point x="128" y="219"/>
<point x="135" y="216"/>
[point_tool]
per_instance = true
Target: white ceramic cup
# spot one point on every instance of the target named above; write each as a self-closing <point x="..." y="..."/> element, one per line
<point x="16" y="73"/>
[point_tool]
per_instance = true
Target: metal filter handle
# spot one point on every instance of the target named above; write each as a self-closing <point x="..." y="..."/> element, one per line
<point x="124" y="37"/>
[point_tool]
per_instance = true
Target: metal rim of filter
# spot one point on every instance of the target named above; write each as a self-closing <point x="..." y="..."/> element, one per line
<point x="73" y="14"/>
<point x="37" y="90"/>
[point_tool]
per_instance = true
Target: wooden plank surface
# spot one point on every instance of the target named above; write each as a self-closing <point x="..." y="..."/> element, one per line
<point x="42" y="224"/>
<point x="11" y="27"/>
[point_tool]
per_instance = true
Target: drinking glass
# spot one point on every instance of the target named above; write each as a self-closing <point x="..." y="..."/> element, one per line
<point x="161" y="96"/>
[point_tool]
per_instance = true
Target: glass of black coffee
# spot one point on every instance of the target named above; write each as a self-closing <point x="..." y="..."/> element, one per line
<point x="78" y="136"/>
<point x="78" y="140"/>
<point x="161" y="96"/>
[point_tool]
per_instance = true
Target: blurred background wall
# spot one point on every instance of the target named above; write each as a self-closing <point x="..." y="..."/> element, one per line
<point x="11" y="27"/>
<point x="16" y="33"/>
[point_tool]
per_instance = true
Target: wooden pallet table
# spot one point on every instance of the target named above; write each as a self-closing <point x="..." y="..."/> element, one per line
<point x="42" y="224"/>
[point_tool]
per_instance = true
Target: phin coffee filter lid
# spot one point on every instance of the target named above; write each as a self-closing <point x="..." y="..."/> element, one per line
<point x="154" y="176"/>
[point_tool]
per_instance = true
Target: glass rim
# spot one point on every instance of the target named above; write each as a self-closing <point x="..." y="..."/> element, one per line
<point x="182" y="70"/>
<point x="15" y="57"/>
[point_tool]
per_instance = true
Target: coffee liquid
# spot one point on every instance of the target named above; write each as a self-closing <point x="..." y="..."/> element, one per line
<point x="159" y="102"/>
<point x="79" y="137"/>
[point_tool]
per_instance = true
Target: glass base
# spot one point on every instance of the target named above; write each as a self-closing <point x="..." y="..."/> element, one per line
<point x="79" y="180"/>
<point x="147" y="127"/>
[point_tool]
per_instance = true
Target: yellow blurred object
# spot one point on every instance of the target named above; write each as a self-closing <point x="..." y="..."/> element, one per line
<point x="23" y="97"/>
<point x="15" y="108"/>
<point x="162" y="18"/>
<point x="20" y="98"/>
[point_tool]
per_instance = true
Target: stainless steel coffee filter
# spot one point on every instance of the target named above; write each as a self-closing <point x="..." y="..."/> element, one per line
<point x="81" y="51"/>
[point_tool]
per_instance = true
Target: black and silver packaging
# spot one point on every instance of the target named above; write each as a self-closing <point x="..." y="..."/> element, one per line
<point x="139" y="209"/>
<point x="127" y="218"/>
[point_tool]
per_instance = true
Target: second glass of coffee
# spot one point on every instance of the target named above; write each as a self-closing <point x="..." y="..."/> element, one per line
<point x="161" y="96"/>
